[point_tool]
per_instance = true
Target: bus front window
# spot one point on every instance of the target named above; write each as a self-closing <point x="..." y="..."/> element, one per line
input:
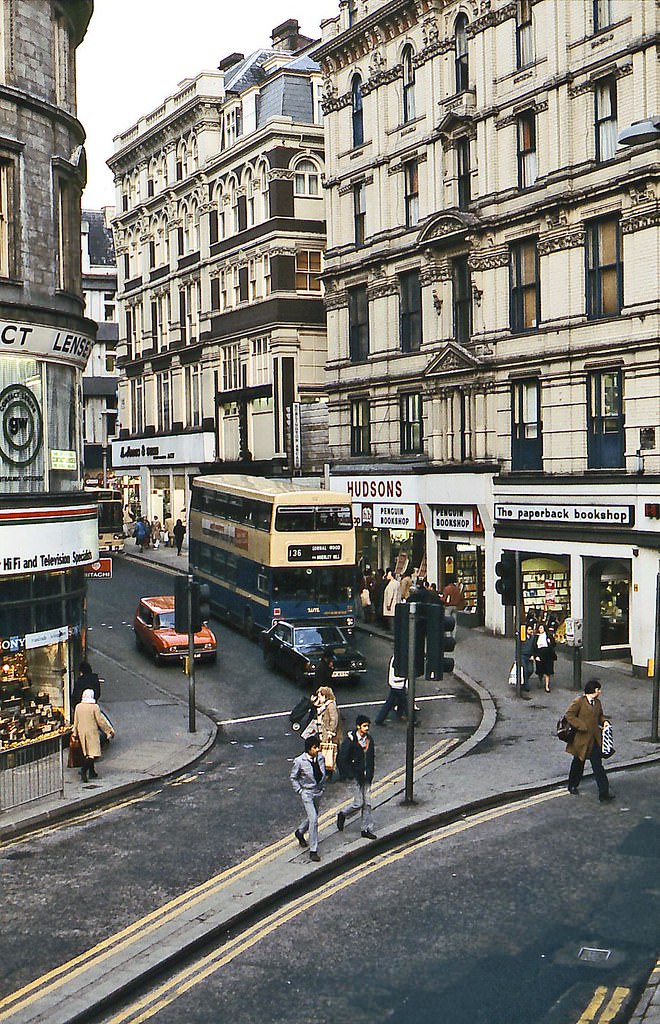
<point x="325" y="585"/>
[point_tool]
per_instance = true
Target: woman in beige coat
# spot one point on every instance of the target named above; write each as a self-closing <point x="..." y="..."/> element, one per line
<point x="87" y="720"/>
<point x="328" y="722"/>
<point x="586" y="716"/>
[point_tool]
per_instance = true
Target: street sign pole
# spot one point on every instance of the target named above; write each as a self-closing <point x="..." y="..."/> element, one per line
<point x="410" y="732"/>
<point x="192" y="727"/>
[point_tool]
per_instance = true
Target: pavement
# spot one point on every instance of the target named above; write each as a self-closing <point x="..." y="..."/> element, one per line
<point x="515" y="754"/>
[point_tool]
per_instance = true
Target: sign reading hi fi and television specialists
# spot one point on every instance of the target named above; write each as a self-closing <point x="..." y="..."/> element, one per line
<point x="47" y="539"/>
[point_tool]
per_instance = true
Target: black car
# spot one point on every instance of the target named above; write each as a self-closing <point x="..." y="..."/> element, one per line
<point x="297" y="648"/>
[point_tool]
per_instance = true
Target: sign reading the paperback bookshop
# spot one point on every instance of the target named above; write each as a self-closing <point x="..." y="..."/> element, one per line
<point x="47" y="539"/>
<point x="568" y="515"/>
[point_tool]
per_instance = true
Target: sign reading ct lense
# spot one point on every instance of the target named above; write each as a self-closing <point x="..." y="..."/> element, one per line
<point x="21" y="425"/>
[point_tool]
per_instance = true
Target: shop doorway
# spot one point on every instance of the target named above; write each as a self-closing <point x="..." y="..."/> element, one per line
<point x="607" y="608"/>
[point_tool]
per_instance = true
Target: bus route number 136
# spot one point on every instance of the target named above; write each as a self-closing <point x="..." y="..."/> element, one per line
<point x="314" y="552"/>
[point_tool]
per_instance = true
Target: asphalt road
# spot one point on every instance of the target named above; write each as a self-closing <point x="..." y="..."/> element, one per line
<point x="71" y="886"/>
<point x="527" y="916"/>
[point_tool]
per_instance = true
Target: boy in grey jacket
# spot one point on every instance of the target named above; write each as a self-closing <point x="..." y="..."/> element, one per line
<point x="308" y="779"/>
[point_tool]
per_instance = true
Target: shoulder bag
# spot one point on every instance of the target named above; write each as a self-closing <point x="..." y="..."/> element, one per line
<point x="565" y="731"/>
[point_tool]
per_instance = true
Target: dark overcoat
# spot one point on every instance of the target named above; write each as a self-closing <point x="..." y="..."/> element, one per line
<point x="588" y="720"/>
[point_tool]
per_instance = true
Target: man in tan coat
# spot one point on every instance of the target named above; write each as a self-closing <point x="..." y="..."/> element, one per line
<point x="586" y="716"/>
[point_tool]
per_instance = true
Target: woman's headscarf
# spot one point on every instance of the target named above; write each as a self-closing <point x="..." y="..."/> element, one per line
<point x="88" y="697"/>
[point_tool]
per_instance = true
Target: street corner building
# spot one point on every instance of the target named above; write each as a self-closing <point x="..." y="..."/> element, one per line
<point x="219" y="234"/>
<point x="491" y="288"/>
<point x="48" y="527"/>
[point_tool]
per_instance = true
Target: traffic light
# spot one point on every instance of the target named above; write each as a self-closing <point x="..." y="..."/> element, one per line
<point x="181" y="604"/>
<point x="201" y="606"/>
<point x="440" y="641"/>
<point x="402" y="639"/>
<point x="505" y="584"/>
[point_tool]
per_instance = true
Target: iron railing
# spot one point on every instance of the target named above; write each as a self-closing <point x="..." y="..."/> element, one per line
<point x="31" y="772"/>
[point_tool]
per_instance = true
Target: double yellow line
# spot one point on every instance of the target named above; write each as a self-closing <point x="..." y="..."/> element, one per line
<point x="593" y="1014"/>
<point x="167" y="913"/>
<point x="197" y="972"/>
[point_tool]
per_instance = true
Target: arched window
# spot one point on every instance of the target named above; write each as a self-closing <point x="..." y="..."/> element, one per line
<point x="356" y="102"/>
<point x="194" y="154"/>
<point x="249" y="197"/>
<point x="306" y="178"/>
<point x="220" y="209"/>
<point x="408" y="85"/>
<point x="194" y="237"/>
<point x="461" y="53"/>
<point x="264" y="192"/>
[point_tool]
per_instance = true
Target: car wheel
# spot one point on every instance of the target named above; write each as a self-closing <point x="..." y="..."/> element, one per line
<point x="212" y="658"/>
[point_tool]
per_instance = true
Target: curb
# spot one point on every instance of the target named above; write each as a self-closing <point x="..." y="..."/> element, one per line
<point x="69" y="810"/>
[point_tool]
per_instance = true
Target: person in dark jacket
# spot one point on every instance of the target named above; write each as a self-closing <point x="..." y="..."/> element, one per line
<point x="544" y="655"/>
<point x="356" y="761"/>
<point x="324" y="669"/>
<point x="586" y="716"/>
<point x="179" y="532"/>
<point x="87" y="680"/>
<point x="140" y="534"/>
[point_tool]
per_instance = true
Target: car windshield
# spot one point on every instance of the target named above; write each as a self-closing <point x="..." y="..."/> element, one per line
<point x="319" y="635"/>
<point x="166" y="620"/>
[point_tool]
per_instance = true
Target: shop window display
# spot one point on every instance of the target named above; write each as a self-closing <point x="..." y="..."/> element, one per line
<point x="546" y="588"/>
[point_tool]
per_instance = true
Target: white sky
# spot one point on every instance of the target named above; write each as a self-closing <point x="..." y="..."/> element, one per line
<point x="136" y="52"/>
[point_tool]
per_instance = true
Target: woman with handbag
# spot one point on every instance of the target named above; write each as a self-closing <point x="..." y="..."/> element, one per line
<point x="544" y="655"/>
<point x="88" y="719"/>
<point x="328" y="725"/>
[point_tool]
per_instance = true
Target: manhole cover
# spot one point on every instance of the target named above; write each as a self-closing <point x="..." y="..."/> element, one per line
<point x="594" y="956"/>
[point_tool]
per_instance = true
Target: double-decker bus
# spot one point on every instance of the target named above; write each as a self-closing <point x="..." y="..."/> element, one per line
<point x="272" y="550"/>
<point x="111" y="522"/>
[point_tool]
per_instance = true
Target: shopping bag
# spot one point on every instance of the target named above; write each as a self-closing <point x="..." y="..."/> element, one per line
<point x="75" y="753"/>
<point x="513" y="675"/>
<point x="608" y="742"/>
<point x="329" y="751"/>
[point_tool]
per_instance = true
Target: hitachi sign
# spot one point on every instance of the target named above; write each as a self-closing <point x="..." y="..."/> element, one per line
<point x="364" y="489"/>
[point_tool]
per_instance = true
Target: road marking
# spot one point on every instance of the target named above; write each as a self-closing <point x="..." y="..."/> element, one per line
<point x="591" y="1014"/>
<point x="342" y="707"/>
<point x="616" y="1002"/>
<point x="169" y="911"/>
<point x="168" y="992"/>
<point x="81" y="819"/>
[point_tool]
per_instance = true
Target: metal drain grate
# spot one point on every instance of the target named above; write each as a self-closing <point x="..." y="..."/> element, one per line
<point x="594" y="956"/>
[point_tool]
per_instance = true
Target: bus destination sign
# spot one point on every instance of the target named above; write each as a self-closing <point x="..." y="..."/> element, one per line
<point x="314" y="552"/>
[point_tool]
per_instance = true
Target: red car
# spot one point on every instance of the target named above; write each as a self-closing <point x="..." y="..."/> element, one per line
<point x="155" y="633"/>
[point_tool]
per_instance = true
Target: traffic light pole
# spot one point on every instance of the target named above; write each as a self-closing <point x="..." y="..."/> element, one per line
<point x="519" y="670"/>
<point x="192" y="725"/>
<point x="410" y="732"/>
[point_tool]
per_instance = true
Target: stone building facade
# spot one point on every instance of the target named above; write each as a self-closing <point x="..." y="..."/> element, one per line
<point x="99" y="269"/>
<point x="492" y="296"/>
<point x="48" y="532"/>
<point x="219" y="233"/>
